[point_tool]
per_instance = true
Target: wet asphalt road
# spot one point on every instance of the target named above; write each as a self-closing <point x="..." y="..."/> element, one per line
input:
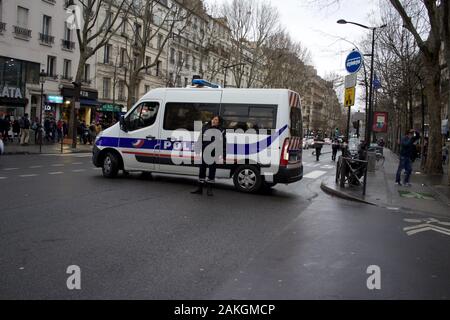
<point x="136" y="238"/>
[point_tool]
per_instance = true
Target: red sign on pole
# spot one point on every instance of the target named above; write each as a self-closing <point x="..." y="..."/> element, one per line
<point x="380" y="122"/>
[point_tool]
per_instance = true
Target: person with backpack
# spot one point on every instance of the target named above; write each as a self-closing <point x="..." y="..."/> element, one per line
<point x="25" y="125"/>
<point x="406" y="153"/>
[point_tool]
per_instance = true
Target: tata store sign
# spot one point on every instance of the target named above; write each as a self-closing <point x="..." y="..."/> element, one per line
<point x="354" y="61"/>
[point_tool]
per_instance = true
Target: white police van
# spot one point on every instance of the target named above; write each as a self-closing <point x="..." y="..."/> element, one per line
<point x="264" y="135"/>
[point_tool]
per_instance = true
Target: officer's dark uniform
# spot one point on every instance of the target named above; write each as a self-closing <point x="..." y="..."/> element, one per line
<point x="205" y="142"/>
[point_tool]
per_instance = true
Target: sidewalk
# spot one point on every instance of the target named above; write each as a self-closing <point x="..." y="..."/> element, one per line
<point x="428" y="194"/>
<point x="55" y="148"/>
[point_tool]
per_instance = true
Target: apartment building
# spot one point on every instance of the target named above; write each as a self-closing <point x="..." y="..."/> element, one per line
<point x="36" y="40"/>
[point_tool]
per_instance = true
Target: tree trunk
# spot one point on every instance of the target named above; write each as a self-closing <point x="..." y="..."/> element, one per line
<point x="76" y="98"/>
<point x="133" y="82"/>
<point x="432" y="81"/>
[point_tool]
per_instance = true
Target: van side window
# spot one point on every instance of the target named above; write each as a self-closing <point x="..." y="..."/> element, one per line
<point x="144" y="115"/>
<point x="296" y="122"/>
<point x="181" y="115"/>
<point x="243" y="116"/>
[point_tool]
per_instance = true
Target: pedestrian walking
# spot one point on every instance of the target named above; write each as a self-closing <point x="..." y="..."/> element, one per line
<point x="406" y="152"/>
<point x="92" y="132"/>
<point x="334" y="148"/>
<point x="210" y="160"/>
<point x="318" y="144"/>
<point x="25" y="126"/>
<point x="15" y="130"/>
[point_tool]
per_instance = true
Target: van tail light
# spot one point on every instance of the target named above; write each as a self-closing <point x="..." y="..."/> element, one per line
<point x="284" y="159"/>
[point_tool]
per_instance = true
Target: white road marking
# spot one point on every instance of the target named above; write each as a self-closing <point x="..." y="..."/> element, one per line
<point x="58" y="172"/>
<point x="2" y="178"/>
<point x="314" y="174"/>
<point x="77" y="162"/>
<point x="57" y="165"/>
<point x="327" y="166"/>
<point x="79" y="170"/>
<point x="10" y="169"/>
<point x="28" y="175"/>
<point x="427" y="226"/>
<point x="35" y="167"/>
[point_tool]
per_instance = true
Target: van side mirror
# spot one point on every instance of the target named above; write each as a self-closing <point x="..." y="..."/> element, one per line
<point x="123" y="124"/>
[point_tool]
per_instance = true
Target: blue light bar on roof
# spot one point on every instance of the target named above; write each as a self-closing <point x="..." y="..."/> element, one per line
<point x="204" y="83"/>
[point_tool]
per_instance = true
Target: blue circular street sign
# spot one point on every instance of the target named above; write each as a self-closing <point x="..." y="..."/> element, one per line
<point x="354" y="61"/>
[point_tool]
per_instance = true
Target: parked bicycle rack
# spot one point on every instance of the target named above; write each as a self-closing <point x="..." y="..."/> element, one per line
<point x="351" y="171"/>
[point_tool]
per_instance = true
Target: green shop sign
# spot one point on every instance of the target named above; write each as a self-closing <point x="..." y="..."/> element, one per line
<point x="111" y="108"/>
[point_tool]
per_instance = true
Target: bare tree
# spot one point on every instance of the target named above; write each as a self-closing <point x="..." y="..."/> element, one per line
<point x="429" y="44"/>
<point x="149" y="20"/>
<point x="98" y="26"/>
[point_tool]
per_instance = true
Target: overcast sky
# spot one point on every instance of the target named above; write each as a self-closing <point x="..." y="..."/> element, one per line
<point x="316" y="28"/>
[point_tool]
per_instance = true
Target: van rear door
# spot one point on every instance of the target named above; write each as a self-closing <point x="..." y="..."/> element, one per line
<point x="296" y="128"/>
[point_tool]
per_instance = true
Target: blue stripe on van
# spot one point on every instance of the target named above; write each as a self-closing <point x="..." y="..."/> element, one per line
<point x="237" y="149"/>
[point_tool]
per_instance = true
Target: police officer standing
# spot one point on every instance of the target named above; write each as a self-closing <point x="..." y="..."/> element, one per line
<point x="210" y="159"/>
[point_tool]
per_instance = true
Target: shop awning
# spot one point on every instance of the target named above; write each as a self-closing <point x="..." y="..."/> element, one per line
<point x="88" y="102"/>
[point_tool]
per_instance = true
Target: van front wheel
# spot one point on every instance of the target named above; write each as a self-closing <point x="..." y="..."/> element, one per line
<point x="110" y="166"/>
<point x="247" y="179"/>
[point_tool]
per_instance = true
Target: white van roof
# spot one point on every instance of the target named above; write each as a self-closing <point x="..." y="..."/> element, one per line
<point x="263" y="96"/>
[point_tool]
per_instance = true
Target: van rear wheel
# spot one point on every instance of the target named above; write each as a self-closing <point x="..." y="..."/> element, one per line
<point x="110" y="166"/>
<point x="247" y="179"/>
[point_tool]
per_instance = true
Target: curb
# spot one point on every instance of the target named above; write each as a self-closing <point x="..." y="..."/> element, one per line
<point x="34" y="153"/>
<point x="343" y="195"/>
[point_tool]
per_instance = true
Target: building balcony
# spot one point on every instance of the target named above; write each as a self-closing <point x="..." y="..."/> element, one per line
<point x="68" y="3"/>
<point x="86" y="82"/>
<point x="22" y="33"/>
<point x="67" y="45"/>
<point x="52" y="77"/>
<point x="2" y="26"/>
<point x="122" y="98"/>
<point x="46" y="39"/>
<point x="50" y="1"/>
<point x="66" y="78"/>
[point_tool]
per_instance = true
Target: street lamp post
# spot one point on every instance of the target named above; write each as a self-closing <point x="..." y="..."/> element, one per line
<point x="42" y="76"/>
<point x="372" y="55"/>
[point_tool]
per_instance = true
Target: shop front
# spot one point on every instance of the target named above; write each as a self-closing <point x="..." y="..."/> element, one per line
<point x="14" y="75"/>
<point x="88" y="104"/>
<point x="107" y="114"/>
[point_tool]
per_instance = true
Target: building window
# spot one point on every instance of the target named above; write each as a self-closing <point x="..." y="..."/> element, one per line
<point x="67" y="32"/>
<point x="123" y="57"/>
<point x="67" y="69"/>
<point x="186" y="81"/>
<point x="158" y="68"/>
<point x="51" y="66"/>
<point x="172" y="55"/>
<point x="160" y="41"/>
<point x="87" y="72"/>
<point x="123" y="26"/>
<point x="147" y="88"/>
<point x="122" y="90"/>
<point x="180" y="58"/>
<point x="148" y="61"/>
<point x="194" y="64"/>
<point x="107" y="54"/>
<point x="46" y="25"/>
<point x="106" y="88"/>
<point x="22" y="17"/>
